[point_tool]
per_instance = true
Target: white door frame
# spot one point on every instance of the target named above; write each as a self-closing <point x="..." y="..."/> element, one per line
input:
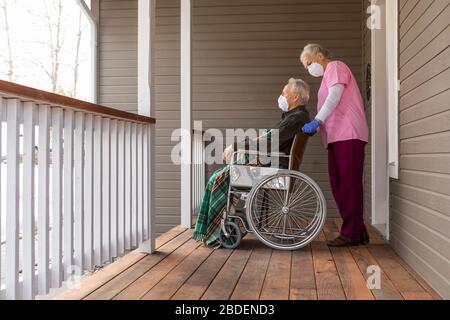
<point x="384" y="110"/>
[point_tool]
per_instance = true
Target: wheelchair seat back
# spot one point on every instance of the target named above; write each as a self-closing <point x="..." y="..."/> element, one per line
<point x="298" y="151"/>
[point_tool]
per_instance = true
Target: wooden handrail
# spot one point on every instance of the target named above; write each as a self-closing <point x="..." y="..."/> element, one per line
<point x="14" y="90"/>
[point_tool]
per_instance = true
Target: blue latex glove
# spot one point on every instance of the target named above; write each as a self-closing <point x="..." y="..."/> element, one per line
<point x="311" y="128"/>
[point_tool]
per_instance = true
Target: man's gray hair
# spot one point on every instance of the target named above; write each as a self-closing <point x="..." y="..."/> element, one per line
<point x="313" y="49"/>
<point x="301" y="87"/>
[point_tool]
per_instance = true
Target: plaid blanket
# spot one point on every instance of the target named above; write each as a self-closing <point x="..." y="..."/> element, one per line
<point x="213" y="204"/>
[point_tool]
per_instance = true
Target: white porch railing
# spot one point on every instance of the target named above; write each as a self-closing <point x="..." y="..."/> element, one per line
<point x="75" y="188"/>
<point x="198" y="171"/>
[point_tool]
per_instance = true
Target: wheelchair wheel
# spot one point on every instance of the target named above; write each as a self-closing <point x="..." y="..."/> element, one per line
<point x="232" y="239"/>
<point x="286" y="211"/>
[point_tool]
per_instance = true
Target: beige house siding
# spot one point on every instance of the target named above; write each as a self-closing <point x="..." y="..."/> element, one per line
<point x="118" y="54"/>
<point x="118" y="86"/>
<point x="420" y="199"/>
<point x="167" y="87"/>
<point x="245" y="51"/>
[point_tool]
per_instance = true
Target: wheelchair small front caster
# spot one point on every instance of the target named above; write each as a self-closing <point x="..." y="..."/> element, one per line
<point x="232" y="238"/>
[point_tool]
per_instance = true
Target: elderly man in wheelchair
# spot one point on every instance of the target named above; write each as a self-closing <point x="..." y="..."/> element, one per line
<point x="263" y="192"/>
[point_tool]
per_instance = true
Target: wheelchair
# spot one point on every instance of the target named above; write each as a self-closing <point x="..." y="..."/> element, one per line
<point x="284" y="208"/>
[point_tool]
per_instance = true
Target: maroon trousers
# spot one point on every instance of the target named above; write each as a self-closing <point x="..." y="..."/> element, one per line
<point x="346" y="167"/>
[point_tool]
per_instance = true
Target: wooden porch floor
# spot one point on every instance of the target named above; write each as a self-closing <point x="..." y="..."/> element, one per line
<point x="184" y="269"/>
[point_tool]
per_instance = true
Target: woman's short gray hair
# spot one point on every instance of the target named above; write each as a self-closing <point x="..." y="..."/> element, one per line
<point x="313" y="49"/>
<point x="301" y="87"/>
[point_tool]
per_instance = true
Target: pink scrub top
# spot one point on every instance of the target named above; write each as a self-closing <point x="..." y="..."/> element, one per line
<point x="348" y="119"/>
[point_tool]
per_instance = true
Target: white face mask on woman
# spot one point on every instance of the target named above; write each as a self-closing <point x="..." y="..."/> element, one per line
<point x="316" y="70"/>
<point x="283" y="103"/>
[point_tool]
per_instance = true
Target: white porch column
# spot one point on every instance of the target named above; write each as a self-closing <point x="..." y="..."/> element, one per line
<point x="146" y="100"/>
<point x="186" y="122"/>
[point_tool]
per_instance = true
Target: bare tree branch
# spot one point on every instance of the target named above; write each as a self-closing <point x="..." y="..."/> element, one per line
<point x="9" y="60"/>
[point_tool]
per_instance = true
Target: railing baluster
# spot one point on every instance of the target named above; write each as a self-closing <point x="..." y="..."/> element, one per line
<point x="106" y="190"/>
<point x="12" y="200"/>
<point x="134" y="178"/>
<point x="139" y="177"/>
<point x="57" y="205"/>
<point x="128" y="179"/>
<point x="88" y="192"/>
<point x="114" y="196"/>
<point x="151" y="185"/>
<point x="145" y="185"/>
<point x="68" y="192"/>
<point x="121" y="186"/>
<point x="98" y="227"/>
<point x="28" y="160"/>
<point x="79" y="192"/>
<point x="43" y="200"/>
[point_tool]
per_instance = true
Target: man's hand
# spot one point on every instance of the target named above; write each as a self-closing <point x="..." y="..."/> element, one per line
<point x="311" y="128"/>
<point x="227" y="153"/>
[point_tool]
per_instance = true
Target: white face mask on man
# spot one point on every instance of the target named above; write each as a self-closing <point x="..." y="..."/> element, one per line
<point x="283" y="104"/>
<point x="316" y="70"/>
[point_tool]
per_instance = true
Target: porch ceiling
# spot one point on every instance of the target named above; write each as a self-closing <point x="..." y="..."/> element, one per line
<point x="183" y="269"/>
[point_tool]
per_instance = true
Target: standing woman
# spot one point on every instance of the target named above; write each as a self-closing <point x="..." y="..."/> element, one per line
<point x="345" y="133"/>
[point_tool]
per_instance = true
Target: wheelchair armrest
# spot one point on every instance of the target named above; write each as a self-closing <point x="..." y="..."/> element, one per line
<point x="258" y="153"/>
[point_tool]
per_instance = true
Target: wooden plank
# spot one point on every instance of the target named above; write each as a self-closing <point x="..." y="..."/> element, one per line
<point x="303" y="282"/>
<point x="28" y="242"/>
<point x="127" y="277"/>
<point x="168" y="286"/>
<point x="329" y="287"/>
<point x="378" y="242"/>
<point x="141" y="286"/>
<point x="96" y="280"/>
<point x="43" y="201"/>
<point x="364" y="260"/>
<point x="352" y="279"/>
<point x="251" y="281"/>
<point x="407" y="285"/>
<point x="223" y="284"/>
<point x="57" y="197"/>
<point x="276" y="283"/>
<point x="198" y="283"/>
<point x="419" y="280"/>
